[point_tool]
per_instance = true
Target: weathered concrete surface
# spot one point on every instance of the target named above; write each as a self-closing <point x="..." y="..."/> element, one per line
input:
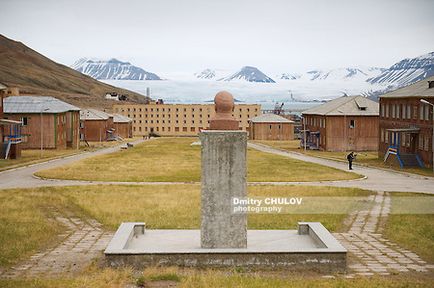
<point x="318" y="262"/>
<point x="267" y="249"/>
<point x="224" y="176"/>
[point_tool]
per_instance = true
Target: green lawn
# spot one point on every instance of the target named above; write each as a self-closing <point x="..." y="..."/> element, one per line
<point x="412" y="231"/>
<point x="369" y="158"/>
<point x="25" y="224"/>
<point x="175" y="160"/>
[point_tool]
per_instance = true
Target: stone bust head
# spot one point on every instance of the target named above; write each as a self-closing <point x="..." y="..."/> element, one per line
<point x="224" y="106"/>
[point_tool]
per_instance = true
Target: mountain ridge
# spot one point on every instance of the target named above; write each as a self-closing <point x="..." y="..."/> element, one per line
<point x="112" y="69"/>
<point x="36" y="74"/>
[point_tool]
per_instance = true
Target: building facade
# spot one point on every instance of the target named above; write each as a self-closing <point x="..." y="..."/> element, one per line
<point x="96" y="125"/>
<point x="406" y="124"/>
<point x="271" y="127"/>
<point x="123" y="126"/>
<point x="179" y="119"/>
<point x="348" y="123"/>
<point x="45" y="121"/>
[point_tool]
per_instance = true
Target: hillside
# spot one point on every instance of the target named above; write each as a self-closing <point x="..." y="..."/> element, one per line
<point x="36" y="74"/>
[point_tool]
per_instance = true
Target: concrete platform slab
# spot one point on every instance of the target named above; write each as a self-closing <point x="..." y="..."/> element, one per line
<point x="311" y="248"/>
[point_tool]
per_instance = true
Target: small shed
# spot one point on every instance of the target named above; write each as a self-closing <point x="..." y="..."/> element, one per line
<point x="96" y="125"/>
<point x="123" y="126"/>
<point x="271" y="127"/>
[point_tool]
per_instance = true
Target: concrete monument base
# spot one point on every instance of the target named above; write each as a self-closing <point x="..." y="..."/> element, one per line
<point x="310" y="248"/>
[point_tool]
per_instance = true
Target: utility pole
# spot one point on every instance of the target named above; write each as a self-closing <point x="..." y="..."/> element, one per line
<point x="432" y="140"/>
<point x="42" y="131"/>
<point x="304" y="133"/>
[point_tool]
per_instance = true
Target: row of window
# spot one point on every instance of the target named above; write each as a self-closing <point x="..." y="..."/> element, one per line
<point x="169" y="121"/>
<point x="423" y="140"/>
<point x="167" y="129"/>
<point x="134" y="116"/>
<point x="405" y="111"/>
<point x="169" y="109"/>
<point x="314" y="121"/>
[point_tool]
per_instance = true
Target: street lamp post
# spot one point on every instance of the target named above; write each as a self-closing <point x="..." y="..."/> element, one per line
<point x="345" y="130"/>
<point x="432" y="146"/>
<point x="42" y="131"/>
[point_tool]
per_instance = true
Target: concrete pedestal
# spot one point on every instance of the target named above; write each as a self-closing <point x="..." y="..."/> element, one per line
<point x="223" y="177"/>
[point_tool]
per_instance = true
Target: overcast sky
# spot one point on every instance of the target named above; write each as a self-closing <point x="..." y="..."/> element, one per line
<point x="190" y="35"/>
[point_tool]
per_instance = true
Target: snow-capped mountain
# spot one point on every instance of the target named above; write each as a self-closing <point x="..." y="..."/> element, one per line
<point x="250" y="74"/>
<point x="346" y="74"/>
<point x="112" y="69"/>
<point x="206" y="74"/>
<point x="407" y="71"/>
<point x="288" y="76"/>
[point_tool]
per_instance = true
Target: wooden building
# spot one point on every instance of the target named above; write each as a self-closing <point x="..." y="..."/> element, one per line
<point x="179" y="119"/>
<point x="123" y="126"/>
<point x="10" y="131"/>
<point x="348" y="123"/>
<point x="271" y="127"/>
<point x="96" y="125"/>
<point x="406" y="124"/>
<point x="45" y="121"/>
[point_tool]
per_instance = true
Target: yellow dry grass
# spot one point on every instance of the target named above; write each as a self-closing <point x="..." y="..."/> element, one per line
<point x="175" y="160"/>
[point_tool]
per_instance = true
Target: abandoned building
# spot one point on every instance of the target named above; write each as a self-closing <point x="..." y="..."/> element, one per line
<point x="10" y="132"/>
<point x="271" y="127"/>
<point x="96" y="125"/>
<point x="46" y="122"/>
<point x="179" y="119"/>
<point x="406" y="124"/>
<point x="347" y="123"/>
<point x="123" y="126"/>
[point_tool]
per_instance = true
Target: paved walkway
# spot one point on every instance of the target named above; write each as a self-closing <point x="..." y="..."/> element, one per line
<point x="375" y="179"/>
<point x="371" y="253"/>
<point x="82" y="242"/>
<point x="22" y="177"/>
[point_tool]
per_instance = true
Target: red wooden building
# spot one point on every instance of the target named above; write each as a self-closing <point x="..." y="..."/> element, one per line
<point x="348" y="123"/>
<point x="406" y="125"/>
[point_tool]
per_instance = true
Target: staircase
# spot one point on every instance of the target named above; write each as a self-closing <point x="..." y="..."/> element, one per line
<point x="410" y="160"/>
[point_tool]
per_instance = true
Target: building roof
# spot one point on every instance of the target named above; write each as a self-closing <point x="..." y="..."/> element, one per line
<point x="418" y="89"/>
<point x="270" y="118"/>
<point x="36" y="104"/>
<point x="117" y="118"/>
<point x="346" y="105"/>
<point x="93" y="114"/>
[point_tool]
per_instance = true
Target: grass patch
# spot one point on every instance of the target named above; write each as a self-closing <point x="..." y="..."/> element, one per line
<point x="33" y="156"/>
<point x="94" y="277"/>
<point x="369" y="158"/>
<point x="191" y="278"/>
<point x="412" y="231"/>
<point x="25" y="225"/>
<point x="178" y="206"/>
<point x="175" y="160"/>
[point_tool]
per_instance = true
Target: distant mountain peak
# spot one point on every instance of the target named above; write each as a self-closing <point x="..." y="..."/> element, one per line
<point x="406" y="71"/>
<point x="250" y="74"/>
<point x="112" y="69"/>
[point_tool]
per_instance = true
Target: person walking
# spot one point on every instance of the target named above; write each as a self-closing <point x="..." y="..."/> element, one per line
<point x="350" y="158"/>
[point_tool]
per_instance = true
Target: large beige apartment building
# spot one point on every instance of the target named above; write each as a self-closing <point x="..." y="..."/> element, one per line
<point x="179" y="119"/>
